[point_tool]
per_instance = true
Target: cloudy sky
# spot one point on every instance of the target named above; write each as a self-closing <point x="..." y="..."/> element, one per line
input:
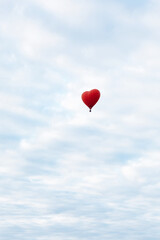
<point x="65" y="173"/>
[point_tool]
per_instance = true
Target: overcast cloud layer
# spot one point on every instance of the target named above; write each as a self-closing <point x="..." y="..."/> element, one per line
<point x="65" y="173"/>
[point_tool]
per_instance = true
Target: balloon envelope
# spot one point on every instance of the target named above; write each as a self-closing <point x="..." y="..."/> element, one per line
<point x="90" y="98"/>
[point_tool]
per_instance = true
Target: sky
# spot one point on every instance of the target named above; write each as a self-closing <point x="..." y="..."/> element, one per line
<point x="66" y="173"/>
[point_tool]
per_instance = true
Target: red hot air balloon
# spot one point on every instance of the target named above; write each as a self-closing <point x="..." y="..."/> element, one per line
<point x="90" y="98"/>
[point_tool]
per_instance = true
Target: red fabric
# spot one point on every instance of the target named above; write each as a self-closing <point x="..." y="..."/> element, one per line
<point x="90" y="98"/>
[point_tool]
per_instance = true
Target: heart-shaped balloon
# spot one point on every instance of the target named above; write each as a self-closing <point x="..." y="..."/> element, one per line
<point x="90" y="98"/>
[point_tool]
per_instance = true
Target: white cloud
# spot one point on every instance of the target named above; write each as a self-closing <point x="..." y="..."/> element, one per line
<point x="28" y="36"/>
<point x="12" y="164"/>
<point x="65" y="171"/>
<point x="145" y="170"/>
<point x="72" y="12"/>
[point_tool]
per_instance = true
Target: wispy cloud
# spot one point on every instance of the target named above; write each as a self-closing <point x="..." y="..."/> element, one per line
<point x="67" y="173"/>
